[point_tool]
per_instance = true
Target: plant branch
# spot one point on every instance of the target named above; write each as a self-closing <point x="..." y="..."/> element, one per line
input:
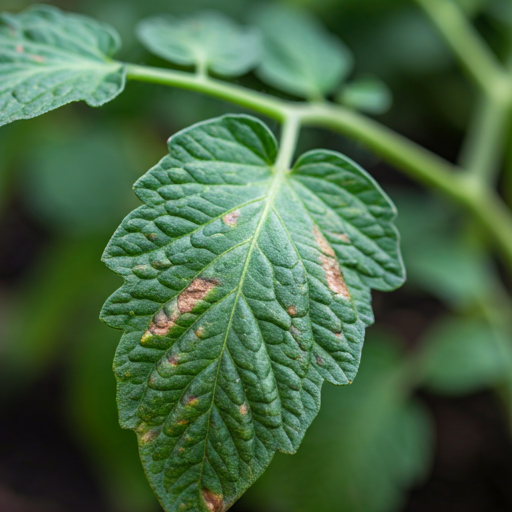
<point x="470" y="49"/>
<point x="288" y="142"/>
<point x="408" y="156"/>
<point x="253" y="100"/>
<point x="411" y="158"/>
<point x="417" y="162"/>
<point x="482" y="151"/>
<point x="483" y="146"/>
<point x="424" y="166"/>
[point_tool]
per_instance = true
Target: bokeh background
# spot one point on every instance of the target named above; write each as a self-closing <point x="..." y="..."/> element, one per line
<point x="425" y="427"/>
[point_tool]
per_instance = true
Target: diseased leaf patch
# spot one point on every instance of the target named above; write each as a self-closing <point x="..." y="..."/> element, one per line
<point x="245" y="287"/>
<point x="48" y="59"/>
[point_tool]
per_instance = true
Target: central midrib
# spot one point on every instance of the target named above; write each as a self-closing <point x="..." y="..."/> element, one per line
<point x="273" y="190"/>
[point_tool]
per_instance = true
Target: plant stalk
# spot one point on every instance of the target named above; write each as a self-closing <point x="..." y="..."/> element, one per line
<point x="409" y="157"/>
<point x="252" y="100"/>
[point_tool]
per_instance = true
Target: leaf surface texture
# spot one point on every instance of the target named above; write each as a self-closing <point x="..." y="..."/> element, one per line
<point x="49" y="58"/>
<point x="245" y="287"/>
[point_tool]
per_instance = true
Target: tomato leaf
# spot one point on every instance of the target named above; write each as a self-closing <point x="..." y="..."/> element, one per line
<point x="48" y="59"/>
<point x="245" y="287"/>
<point x="208" y="40"/>
<point x="299" y="56"/>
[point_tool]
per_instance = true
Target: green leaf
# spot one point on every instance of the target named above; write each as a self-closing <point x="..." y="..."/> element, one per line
<point x="300" y="57"/>
<point x="207" y="40"/>
<point x="48" y="59"/>
<point x="463" y="355"/>
<point x="245" y="287"/>
<point x="368" y="94"/>
<point x="368" y="445"/>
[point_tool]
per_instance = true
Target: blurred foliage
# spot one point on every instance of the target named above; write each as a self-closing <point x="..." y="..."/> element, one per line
<point x="367" y="94"/>
<point x="71" y="173"/>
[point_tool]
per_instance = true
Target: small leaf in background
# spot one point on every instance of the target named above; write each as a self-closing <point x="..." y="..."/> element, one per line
<point x="208" y="40"/>
<point x="367" y="94"/>
<point x="299" y="57"/>
<point x="48" y="59"/>
<point x="369" y="444"/>
<point x="245" y="287"/>
<point x="463" y="355"/>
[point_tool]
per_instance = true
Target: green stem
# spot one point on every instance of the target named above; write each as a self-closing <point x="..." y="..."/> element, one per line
<point x="494" y="216"/>
<point x="411" y="158"/>
<point x="420" y="164"/>
<point x="288" y="142"/>
<point x="253" y="100"/>
<point x="472" y="52"/>
<point x="416" y="161"/>
<point x="483" y="148"/>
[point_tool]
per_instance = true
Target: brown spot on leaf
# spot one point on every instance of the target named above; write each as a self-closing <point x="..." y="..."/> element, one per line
<point x="191" y="400"/>
<point x="19" y="48"/>
<point x="319" y="360"/>
<point x="162" y="323"/>
<point x="160" y="264"/>
<point x="337" y="334"/>
<point x="292" y="311"/>
<point x="150" y="435"/>
<point x="334" y="276"/>
<point x="173" y="360"/>
<point x="181" y="450"/>
<point x="243" y="408"/>
<point x="199" y="332"/>
<point x="213" y="500"/>
<point x="294" y="331"/>
<point x="151" y="236"/>
<point x="231" y="218"/>
<point x="183" y="422"/>
<point x="195" y="292"/>
<point x="38" y="58"/>
<point x="342" y="236"/>
<point x="322" y="242"/>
